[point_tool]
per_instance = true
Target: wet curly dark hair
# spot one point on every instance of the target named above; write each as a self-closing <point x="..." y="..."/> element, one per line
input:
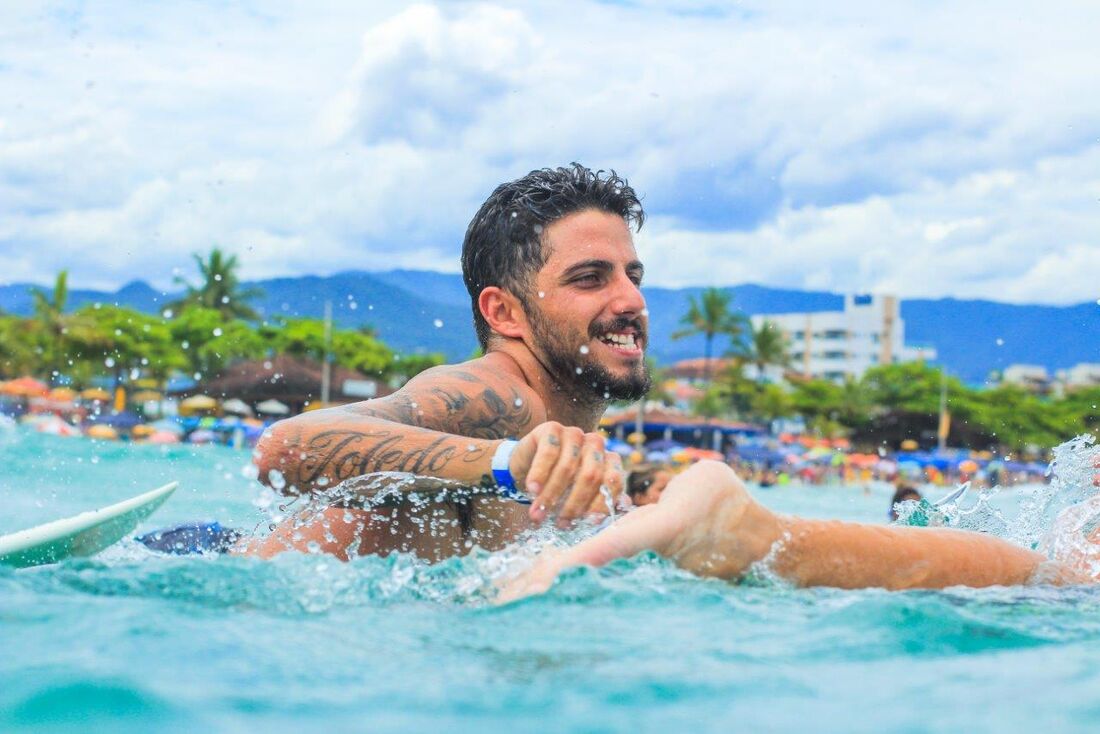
<point x="504" y="242"/>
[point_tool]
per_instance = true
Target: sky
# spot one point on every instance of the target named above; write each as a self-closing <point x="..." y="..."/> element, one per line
<point x="924" y="149"/>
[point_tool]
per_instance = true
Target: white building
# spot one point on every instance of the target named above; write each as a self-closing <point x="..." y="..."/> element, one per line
<point x="1031" y="376"/>
<point x="1085" y="374"/>
<point x="837" y="344"/>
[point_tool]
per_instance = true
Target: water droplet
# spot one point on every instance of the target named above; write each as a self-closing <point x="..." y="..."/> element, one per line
<point x="167" y="313"/>
<point x="225" y="299"/>
<point x="276" y="479"/>
<point x="519" y="402"/>
<point x="217" y="331"/>
<point x="542" y="294"/>
<point x="578" y="370"/>
<point x="217" y="276"/>
<point x="584" y="349"/>
<point x="515" y="214"/>
<point x="438" y="323"/>
<point x="110" y="362"/>
<point x="1000" y="342"/>
<point x="537" y="229"/>
<point x="185" y="344"/>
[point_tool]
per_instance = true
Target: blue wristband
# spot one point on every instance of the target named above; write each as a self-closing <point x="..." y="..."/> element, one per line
<point x="502" y="474"/>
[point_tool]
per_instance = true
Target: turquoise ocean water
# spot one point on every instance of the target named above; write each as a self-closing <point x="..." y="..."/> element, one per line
<point x="131" y="641"/>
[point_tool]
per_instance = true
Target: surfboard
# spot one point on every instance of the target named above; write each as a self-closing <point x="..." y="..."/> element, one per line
<point x="80" y="535"/>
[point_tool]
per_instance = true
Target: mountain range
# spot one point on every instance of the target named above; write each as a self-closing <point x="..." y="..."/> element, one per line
<point x="425" y="311"/>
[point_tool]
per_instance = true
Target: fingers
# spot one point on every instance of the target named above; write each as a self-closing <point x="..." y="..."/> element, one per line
<point x="612" y="481"/>
<point x="587" y="479"/>
<point x="562" y="476"/>
<point x="536" y="456"/>
<point x="563" y="468"/>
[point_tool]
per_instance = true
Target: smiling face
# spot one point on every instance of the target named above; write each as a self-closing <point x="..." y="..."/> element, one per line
<point x="588" y="320"/>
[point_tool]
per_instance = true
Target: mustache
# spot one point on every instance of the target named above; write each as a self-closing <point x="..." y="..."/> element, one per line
<point x="599" y="328"/>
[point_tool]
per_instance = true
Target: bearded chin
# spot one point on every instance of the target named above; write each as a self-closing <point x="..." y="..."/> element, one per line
<point x="575" y="370"/>
<point x="606" y="386"/>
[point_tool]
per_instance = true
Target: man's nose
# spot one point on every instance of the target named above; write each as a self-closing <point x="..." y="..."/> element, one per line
<point x="628" y="297"/>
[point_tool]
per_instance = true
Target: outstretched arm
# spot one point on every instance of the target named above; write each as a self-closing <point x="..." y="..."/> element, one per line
<point x="708" y="524"/>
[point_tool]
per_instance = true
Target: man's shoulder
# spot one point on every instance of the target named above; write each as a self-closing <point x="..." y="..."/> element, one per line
<point x="482" y="398"/>
<point x="492" y="370"/>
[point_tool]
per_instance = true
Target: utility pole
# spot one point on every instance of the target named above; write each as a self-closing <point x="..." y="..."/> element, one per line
<point x="945" y="420"/>
<point x="326" y="365"/>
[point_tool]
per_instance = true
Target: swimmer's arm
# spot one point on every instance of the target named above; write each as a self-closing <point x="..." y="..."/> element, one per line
<point x="445" y="423"/>
<point x="853" y="556"/>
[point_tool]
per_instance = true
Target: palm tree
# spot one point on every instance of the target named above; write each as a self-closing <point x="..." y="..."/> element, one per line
<point x="220" y="288"/>
<point x="764" y="346"/>
<point x="50" y="310"/>
<point x="711" y="316"/>
<point x="51" y="322"/>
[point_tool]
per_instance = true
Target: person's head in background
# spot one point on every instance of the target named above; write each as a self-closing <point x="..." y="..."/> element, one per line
<point x="903" y="493"/>
<point x="645" y="484"/>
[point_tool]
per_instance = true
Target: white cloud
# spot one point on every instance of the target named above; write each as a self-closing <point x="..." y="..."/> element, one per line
<point x="925" y="150"/>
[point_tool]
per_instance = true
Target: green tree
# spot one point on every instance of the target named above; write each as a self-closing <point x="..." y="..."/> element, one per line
<point x="711" y="316"/>
<point x="211" y="342"/>
<point x="354" y="349"/>
<point x="125" y="342"/>
<point x="18" y="349"/>
<point x="764" y="346"/>
<point x="219" y="289"/>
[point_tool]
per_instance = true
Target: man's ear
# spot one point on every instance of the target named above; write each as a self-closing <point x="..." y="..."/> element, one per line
<point x="503" y="312"/>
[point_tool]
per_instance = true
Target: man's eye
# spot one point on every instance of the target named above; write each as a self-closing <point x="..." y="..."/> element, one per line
<point x="588" y="279"/>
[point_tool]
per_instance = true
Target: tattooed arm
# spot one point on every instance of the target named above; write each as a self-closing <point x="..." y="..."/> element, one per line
<point x="445" y="423"/>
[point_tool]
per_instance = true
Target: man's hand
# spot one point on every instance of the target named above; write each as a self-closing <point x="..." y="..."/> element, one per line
<point x="563" y="467"/>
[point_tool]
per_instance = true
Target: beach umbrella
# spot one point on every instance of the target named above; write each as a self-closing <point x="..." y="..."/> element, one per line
<point x="201" y="436"/>
<point x="198" y="404"/>
<point x="664" y="445"/>
<point x="104" y="433"/>
<point x="62" y="394"/>
<point x="142" y="431"/>
<point x="25" y="387"/>
<point x="95" y="393"/>
<point x="272" y="407"/>
<point x="146" y="396"/>
<point x="694" y="454"/>
<point x="123" y="421"/>
<point x="54" y="426"/>
<point x="167" y="425"/>
<point x="236" y="406"/>
<point x="619" y="447"/>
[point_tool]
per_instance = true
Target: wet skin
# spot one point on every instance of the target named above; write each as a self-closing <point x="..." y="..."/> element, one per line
<point x="447" y="422"/>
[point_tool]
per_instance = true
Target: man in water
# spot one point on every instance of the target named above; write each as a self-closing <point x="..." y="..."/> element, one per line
<point x="554" y="281"/>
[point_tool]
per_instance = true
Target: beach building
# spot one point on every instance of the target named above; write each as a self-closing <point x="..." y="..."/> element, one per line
<point x="293" y="381"/>
<point x="1032" y="377"/>
<point x="836" y="344"/>
<point x="1085" y="374"/>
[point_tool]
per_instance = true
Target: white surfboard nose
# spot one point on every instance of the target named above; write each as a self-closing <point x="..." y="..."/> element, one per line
<point x="81" y="535"/>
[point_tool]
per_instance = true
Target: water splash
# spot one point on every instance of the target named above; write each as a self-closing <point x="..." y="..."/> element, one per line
<point x="1057" y="519"/>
